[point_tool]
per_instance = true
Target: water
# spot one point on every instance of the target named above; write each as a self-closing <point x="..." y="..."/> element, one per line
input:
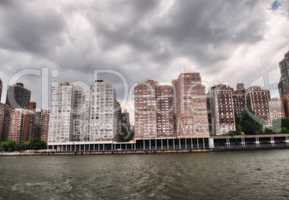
<point x="205" y="176"/>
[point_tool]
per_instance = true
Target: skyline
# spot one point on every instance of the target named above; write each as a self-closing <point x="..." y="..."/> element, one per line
<point x="155" y="40"/>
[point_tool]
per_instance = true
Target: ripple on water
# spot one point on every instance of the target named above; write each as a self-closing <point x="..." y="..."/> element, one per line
<point x="240" y="176"/>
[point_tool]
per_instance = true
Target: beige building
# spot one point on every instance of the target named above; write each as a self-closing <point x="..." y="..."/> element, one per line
<point x="145" y="104"/>
<point x="191" y="106"/>
<point x="276" y="109"/>
<point x="166" y="121"/>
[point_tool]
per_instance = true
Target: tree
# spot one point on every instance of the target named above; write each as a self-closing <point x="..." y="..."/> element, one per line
<point x="37" y="144"/>
<point x="280" y="125"/>
<point x="126" y="134"/>
<point x="246" y="122"/>
<point x="8" y="146"/>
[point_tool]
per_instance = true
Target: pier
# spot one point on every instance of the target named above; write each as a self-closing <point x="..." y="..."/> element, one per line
<point x="175" y="145"/>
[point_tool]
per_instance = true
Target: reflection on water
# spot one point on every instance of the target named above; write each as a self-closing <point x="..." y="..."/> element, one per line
<point x="227" y="175"/>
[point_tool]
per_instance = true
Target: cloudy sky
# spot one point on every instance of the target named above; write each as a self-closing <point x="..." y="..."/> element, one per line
<point x="226" y="41"/>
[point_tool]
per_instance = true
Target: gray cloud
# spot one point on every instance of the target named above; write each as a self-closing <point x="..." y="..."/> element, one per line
<point x="29" y="29"/>
<point x="142" y="39"/>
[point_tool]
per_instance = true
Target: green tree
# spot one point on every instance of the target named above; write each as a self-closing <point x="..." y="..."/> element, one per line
<point x="246" y="122"/>
<point x="8" y="146"/>
<point x="37" y="144"/>
<point x="280" y="125"/>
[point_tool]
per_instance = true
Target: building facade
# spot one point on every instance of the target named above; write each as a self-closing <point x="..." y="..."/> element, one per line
<point x="257" y="101"/>
<point x="239" y="98"/>
<point x="276" y="109"/>
<point x="21" y="125"/>
<point x="69" y="113"/>
<point x="145" y="104"/>
<point x="18" y="96"/>
<point x="103" y="112"/>
<point x="222" y="112"/>
<point x="2" y="121"/>
<point x="41" y="125"/>
<point x="284" y="83"/>
<point x="81" y="114"/>
<point x="166" y="126"/>
<point x="1" y="89"/>
<point x="191" y="106"/>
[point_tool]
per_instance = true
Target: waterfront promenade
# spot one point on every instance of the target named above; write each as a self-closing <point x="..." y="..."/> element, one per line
<point x="166" y="145"/>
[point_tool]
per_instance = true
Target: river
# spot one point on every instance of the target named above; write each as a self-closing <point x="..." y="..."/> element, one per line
<point x="204" y="176"/>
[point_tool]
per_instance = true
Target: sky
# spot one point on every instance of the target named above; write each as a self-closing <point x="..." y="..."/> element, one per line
<point x="131" y="41"/>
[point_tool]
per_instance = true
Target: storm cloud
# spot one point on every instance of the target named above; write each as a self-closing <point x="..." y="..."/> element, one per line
<point x="227" y="41"/>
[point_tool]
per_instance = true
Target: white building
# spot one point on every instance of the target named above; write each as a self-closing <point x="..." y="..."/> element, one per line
<point x="69" y="113"/>
<point x="103" y="108"/>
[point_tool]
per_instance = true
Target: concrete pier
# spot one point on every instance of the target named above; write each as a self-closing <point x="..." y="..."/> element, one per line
<point x="159" y="145"/>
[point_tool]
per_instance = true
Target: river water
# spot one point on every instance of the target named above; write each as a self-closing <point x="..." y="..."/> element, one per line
<point x="204" y="176"/>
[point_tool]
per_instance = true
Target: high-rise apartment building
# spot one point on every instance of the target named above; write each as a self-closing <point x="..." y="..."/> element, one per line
<point x="69" y="113"/>
<point x="191" y="106"/>
<point x="145" y="103"/>
<point x="41" y="125"/>
<point x="2" y="120"/>
<point x="284" y="83"/>
<point x="44" y="124"/>
<point x="103" y="110"/>
<point x="1" y="89"/>
<point x="276" y="109"/>
<point x="83" y="115"/>
<point x="221" y="109"/>
<point x="257" y="101"/>
<point x="166" y="126"/>
<point x="18" y="96"/>
<point x="154" y="110"/>
<point x="21" y="125"/>
<point x="239" y="99"/>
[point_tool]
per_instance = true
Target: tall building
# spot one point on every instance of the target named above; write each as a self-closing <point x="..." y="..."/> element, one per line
<point x="257" y="101"/>
<point x="21" y="125"/>
<point x="2" y="120"/>
<point x="239" y="99"/>
<point x="41" y="125"/>
<point x="104" y="109"/>
<point x="284" y="83"/>
<point x="86" y="115"/>
<point x="1" y="89"/>
<point x="166" y="126"/>
<point x="145" y="103"/>
<point x="44" y="124"/>
<point x="69" y="112"/>
<point x="276" y="109"/>
<point x="191" y="106"/>
<point x="18" y="96"/>
<point x="7" y="114"/>
<point x="222" y="109"/>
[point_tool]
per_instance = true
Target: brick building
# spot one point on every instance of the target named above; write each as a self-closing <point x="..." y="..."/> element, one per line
<point x="257" y="101"/>
<point x="191" y="106"/>
<point x="145" y="103"/>
<point x="239" y="99"/>
<point x="222" y="112"/>
<point x="166" y="126"/>
<point x="284" y="83"/>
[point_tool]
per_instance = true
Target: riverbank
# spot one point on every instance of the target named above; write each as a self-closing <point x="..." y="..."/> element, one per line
<point x="81" y="153"/>
<point x="164" y="146"/>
